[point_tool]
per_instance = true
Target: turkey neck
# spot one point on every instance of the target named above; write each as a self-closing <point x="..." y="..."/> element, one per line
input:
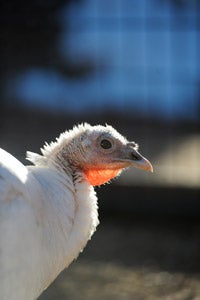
<point x="68" y="219"/>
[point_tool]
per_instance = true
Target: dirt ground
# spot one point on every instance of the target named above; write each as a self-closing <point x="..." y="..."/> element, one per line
<point x="135" y="260"/>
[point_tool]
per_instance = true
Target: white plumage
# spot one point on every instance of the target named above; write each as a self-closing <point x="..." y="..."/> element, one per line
<point x="48" y="211"/>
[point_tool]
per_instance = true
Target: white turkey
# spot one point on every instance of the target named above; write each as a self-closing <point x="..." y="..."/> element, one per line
<point x="48" y="211"/>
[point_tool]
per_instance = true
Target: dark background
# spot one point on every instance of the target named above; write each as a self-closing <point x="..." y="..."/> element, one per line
<point x="134" y="65"/>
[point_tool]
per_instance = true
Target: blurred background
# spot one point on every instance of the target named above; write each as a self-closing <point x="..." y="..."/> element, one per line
<point x="134" y="64"/>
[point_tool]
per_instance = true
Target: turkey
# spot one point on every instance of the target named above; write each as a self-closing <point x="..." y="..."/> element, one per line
<point x="48" y="211"/>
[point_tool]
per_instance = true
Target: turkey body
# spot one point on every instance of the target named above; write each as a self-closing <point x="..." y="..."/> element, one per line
<point x="48" y="211"/>
<point x="46" y="218"/>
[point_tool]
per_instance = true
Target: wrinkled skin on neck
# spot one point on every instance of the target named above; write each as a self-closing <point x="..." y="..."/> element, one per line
<point x="100" y="176"/>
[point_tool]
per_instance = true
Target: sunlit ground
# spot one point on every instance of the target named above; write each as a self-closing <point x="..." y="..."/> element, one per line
<point x="134" y="260"/>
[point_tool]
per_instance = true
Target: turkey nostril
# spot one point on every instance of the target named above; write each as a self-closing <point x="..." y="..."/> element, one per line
<point x="134" y="156"/>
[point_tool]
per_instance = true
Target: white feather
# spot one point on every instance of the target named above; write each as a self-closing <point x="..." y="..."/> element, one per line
<point x="45" y="221"/>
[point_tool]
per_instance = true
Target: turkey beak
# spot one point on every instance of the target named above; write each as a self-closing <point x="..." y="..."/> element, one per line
<point x="138" y="161"/>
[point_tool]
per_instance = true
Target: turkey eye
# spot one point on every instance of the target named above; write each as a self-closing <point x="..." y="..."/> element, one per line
<point x="105" y="144"/>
